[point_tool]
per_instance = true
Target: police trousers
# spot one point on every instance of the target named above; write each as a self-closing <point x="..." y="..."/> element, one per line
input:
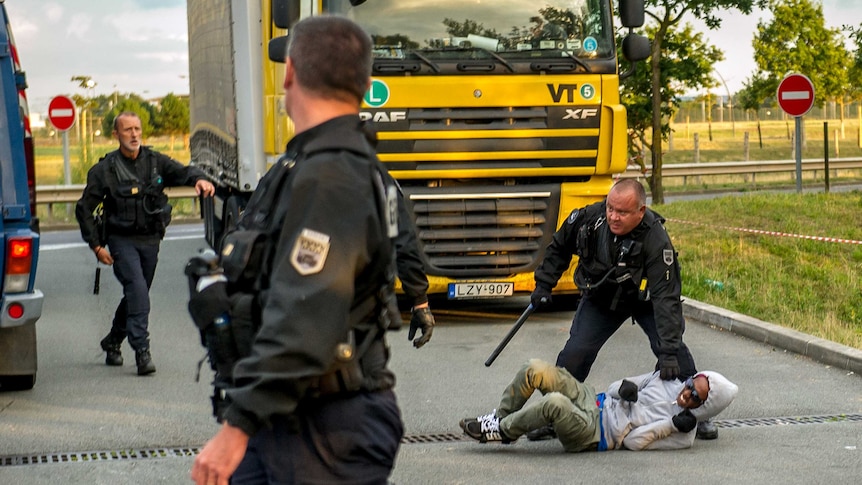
<point x="345" y="440"/>
<point x="135" y="267"/>
<point x="594" y="323"/>
<point x="566" y="403"/>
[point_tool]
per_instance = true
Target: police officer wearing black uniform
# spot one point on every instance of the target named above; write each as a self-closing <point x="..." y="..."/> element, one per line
<point x="313" y="401"/>
<point x="627" y="268"/>
<point x="129" y="184"/>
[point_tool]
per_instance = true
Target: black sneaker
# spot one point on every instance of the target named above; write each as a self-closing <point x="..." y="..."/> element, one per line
<point x="145" y="362"/>
<point x="546" y="432"/>
<point x="113" y="356"/>
<point x="485" y="428"/>
<point x="706" y="430"/>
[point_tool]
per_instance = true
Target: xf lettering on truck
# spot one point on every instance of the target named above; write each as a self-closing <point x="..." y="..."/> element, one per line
<point x="580" y="113"/>
<point x="558" y="90"/>
<point x="383" y="116"/>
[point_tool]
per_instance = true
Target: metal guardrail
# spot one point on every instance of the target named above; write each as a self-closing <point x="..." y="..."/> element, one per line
<point x="743" y="168"/>
<point x="69" y="194"/>
<point x="57" y="194"/>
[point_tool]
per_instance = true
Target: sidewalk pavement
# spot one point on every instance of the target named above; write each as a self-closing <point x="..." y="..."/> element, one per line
<point x="821" y="350"/>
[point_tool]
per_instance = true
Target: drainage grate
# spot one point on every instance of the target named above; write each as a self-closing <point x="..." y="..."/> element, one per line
<point x="750" y="423"/>
<point x="91" y="456"/>
<point x="181" y="452"/>
<point x="414" y="439"/>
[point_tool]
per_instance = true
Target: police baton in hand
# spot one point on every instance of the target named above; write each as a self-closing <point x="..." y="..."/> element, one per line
<point x="98" y="279"/>
<point x="508" y="337"/>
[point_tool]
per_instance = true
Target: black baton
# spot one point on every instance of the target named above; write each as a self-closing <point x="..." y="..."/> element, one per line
<point x="512" y="332"/>
<point x="98" y="279"/>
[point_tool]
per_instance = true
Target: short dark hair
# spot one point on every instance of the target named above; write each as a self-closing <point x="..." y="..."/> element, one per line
<point x="124" y="113"/>
<point x="636" y="186"/>
<point x="331" y="56"/>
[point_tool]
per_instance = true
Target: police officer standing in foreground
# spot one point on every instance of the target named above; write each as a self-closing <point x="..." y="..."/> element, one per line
<point x="129" y="183"/>
<point x="314" y="399"/>
<point x="627" y="268"/>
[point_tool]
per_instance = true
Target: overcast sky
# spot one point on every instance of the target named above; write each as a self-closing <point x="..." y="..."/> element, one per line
<point x="140" y="46"/>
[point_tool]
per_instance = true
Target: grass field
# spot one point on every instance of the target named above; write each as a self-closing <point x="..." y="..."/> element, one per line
<point x="808" y="285"/>
<point x="728" y="143"/>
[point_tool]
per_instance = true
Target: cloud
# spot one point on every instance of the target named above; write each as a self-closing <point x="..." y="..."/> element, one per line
<point x="165" y="57"/>
<point x="79" y="26"/>
<point x="157" y="25"/>
<point x="155" y="4"/>
<point x="53" y="12"/>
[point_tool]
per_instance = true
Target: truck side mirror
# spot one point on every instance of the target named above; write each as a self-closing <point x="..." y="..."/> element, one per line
<point x="285" y="13"/>
<point x="632" y="13"/>
<point x="636" y="47"/>
<point x="277" y="49"/>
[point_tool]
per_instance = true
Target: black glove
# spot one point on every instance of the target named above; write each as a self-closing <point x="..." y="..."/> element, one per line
<point x="541" y="297"/>
<point x="421" y="318"/>
<point x="684" y="421"/>
<point x="629" y="391"/>
<point x="668" y="367"/>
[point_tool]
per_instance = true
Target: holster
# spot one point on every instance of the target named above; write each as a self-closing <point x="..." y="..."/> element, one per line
<point x="242" y="253"/>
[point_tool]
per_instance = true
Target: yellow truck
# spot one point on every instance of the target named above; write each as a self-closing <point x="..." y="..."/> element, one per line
<point x="497" y="118"/>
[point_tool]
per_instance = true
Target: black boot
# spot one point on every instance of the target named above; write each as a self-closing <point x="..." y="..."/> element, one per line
<point x="144" y="361"/>
<point x="706" y="430"/>
<point x="111" y="346"/>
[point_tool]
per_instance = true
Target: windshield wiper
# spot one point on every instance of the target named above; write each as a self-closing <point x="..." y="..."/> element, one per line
<point x="578" y="61"/>
<point x="434" y="67"/>
<point x="497" y="57"/>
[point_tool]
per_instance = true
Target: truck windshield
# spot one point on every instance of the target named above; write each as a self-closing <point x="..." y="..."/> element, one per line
<point x="504" y="31"/>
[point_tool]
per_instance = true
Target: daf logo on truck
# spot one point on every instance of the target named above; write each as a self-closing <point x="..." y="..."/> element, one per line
<point x="383" y="116"/>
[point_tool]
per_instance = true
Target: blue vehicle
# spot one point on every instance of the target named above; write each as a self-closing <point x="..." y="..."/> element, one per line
<point x="20" y="302"/>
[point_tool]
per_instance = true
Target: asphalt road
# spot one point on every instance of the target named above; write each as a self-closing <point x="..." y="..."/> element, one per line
<point x="795" y="419"/>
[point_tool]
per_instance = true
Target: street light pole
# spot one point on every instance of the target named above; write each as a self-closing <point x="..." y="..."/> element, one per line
<point x="729" y="104"/>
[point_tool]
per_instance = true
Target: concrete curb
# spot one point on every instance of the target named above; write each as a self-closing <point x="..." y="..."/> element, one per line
<point x="818" y="349"/>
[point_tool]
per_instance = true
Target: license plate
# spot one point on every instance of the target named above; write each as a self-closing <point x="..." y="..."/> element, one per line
<point x="465" y="291"/>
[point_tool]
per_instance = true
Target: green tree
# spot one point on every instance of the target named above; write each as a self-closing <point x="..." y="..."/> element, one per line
<point x="463" y="29"/>
<point x="394" y="40"/>
<point x="685" y="65"/>
<point x="797" y="40"/>
<point x="667" y="14"/>
<point x="173" y="117"/>
<point x="855" y="72"/>
<point x="756" y="90"/>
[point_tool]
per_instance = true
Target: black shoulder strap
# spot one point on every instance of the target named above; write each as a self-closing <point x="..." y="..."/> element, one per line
<point x="120" y="169"/>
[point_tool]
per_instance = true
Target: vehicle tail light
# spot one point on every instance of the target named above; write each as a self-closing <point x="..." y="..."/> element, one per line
<point x="19" y="262"/>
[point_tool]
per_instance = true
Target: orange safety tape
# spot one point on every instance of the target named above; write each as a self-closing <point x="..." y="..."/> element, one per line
<point x="772" y="233"/>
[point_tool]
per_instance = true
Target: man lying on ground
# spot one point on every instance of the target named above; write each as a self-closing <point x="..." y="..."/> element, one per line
<point x="636" y="413"/>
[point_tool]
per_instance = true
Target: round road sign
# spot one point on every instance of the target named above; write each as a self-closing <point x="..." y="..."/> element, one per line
<point x="796" y="94"/>
<point x="61" y="112"/>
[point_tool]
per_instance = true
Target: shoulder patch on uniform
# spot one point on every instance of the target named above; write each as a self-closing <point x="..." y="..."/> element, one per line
<point x="667" y="255"/>
<point x="573" y="216"/>
<point x="309" y="252"/>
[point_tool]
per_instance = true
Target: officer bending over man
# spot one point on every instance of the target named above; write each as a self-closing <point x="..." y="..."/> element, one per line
<point x="636" y="413"/>
<point x="627" y="268"/>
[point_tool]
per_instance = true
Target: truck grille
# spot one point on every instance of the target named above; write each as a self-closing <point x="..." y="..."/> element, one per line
<point x="492" y="231"/>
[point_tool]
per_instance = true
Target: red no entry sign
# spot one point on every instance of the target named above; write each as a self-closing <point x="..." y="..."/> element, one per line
<point x="61" y="112"/>
<point x="796" y="94"/>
